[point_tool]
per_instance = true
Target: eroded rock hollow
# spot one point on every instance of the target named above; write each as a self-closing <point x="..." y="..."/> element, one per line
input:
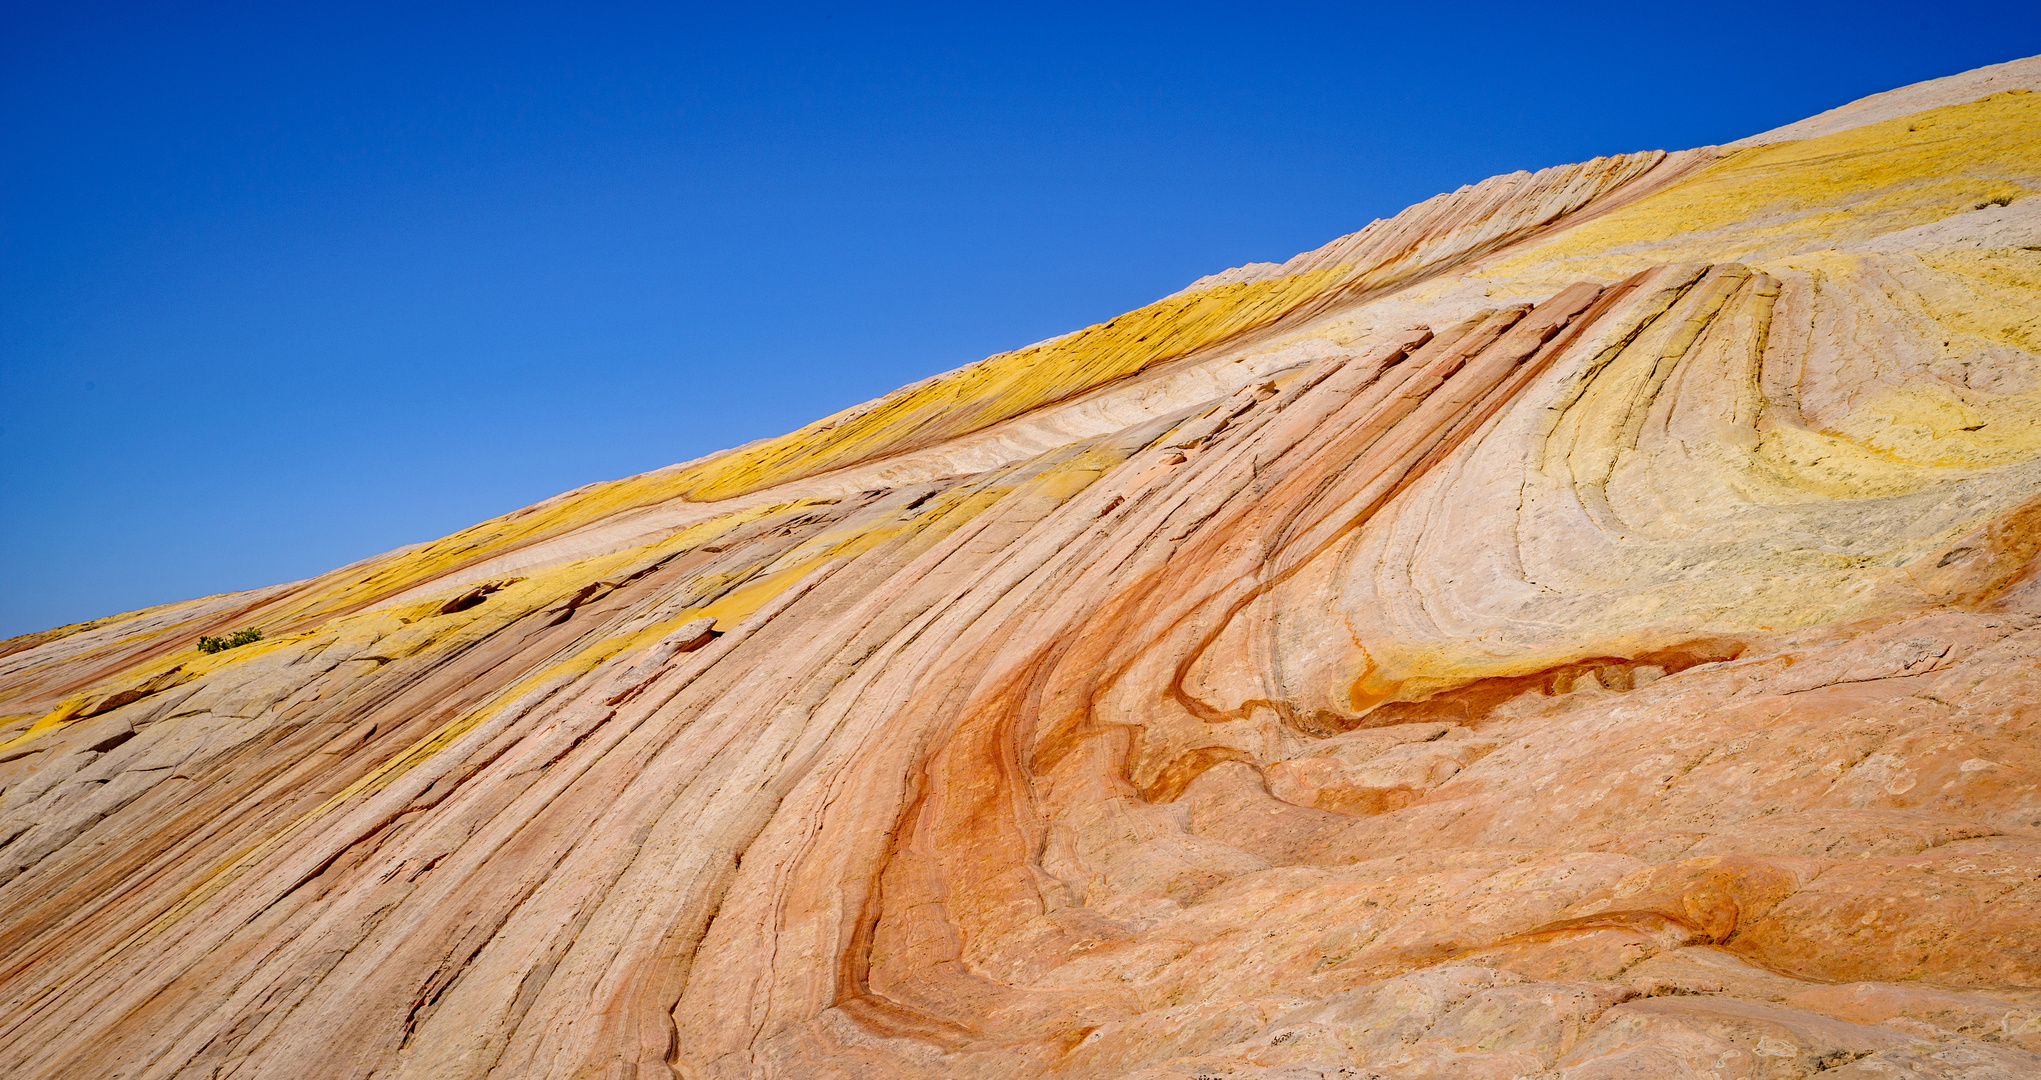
<point x="1584" y="626"/>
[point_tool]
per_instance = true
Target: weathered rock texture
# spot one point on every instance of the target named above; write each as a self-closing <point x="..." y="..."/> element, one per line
<point x="1584" y="626"/>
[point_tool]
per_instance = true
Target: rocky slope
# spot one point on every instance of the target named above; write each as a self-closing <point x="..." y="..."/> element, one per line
<point x="1584" y="626"/>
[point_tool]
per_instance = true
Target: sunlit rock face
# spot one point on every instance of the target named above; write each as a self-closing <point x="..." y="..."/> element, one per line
<point x="1584" y="626"/>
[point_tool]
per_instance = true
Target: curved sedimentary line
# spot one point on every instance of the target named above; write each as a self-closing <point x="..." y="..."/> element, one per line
<point x="1141" y="596"/>
<point x="1466" y="413"/>
<point x="983" y="597"/>
<point x="1055" y="655"/>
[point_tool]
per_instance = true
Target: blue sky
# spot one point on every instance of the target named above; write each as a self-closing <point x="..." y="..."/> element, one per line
<point x="283" y="286"/>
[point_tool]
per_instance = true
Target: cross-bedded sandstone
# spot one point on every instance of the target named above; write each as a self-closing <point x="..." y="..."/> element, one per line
<point x="1584" y="626"/>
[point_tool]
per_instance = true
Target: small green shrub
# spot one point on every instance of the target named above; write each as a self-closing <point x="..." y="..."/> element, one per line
<point x="232" y="641"/>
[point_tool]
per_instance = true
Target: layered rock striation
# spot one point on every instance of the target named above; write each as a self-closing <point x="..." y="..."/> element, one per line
<point x="1584" y="626"/>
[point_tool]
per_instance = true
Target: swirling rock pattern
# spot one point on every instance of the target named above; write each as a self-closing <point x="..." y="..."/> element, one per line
<point x="1585" y="626"/>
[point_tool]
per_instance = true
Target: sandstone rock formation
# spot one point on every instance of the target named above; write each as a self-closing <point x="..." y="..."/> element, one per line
<point x="1585" y="626"/>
